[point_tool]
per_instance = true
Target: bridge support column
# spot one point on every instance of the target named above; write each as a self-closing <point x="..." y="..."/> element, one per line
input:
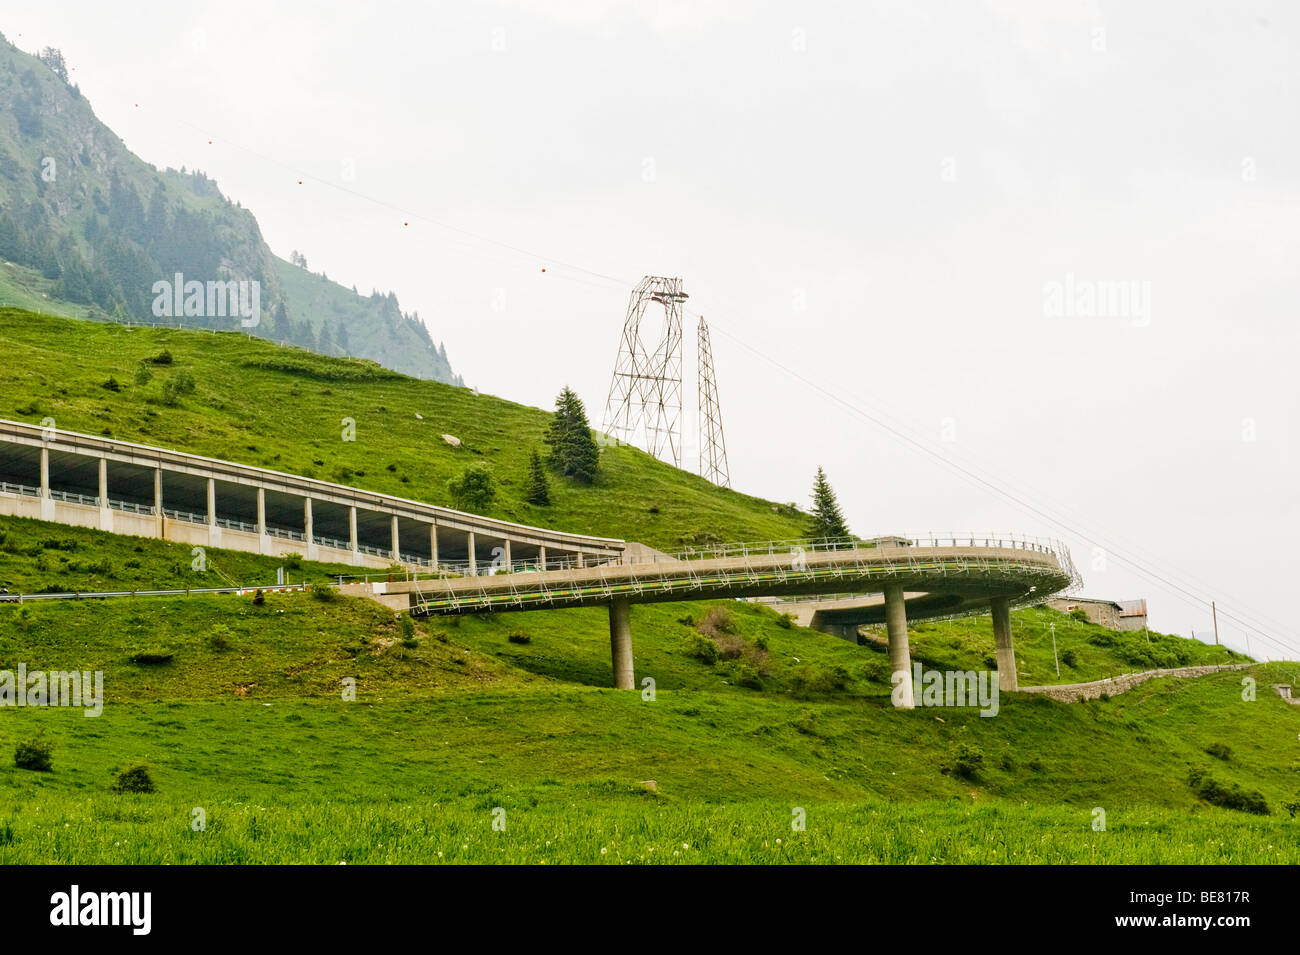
<point x="397" y="544"/>
<point x="900" y="656"/>
<point x="161" y="528"/>
<point x="212" y="502"/>
<point x="1006" y="651"/>
<point x="352" y="534"/>
<point x="105" y="512"/>
<point x="541" y="557"/>
<point x="45" y="472"/>
<point x="620" y="643"/>
<point x="433" y="546"/>
<point x="473" y="557"/>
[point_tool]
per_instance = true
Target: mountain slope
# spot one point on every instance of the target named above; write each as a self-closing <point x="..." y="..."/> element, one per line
<point x="96" y="227"/>
<point x="283" y="408"/>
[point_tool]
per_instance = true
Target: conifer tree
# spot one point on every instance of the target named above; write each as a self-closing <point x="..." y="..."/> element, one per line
<point x="537" y="491"/>
<point x="827" y="518"/>
<point x="573" y="450"/>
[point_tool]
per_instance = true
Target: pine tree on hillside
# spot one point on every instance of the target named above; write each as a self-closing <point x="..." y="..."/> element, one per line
<point x="537" y="491"/>
<point x="573" y="450"/>
<point x="827" y="518"/>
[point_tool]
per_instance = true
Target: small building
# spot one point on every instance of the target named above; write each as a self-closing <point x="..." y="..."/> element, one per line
<point x="1113" y="614"/>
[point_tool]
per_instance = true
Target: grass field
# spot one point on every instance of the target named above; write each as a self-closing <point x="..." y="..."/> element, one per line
<point x="246" y="720"/>
<point x="319" y="728"/>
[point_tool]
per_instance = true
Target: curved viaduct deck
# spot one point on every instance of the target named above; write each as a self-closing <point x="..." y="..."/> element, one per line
<point x="914" y="580"/>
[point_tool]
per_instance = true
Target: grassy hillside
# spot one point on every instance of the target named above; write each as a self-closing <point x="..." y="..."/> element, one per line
<point x="242" y="710"/>
<point x="284" y="408"/>
<point x="246" y="720"/>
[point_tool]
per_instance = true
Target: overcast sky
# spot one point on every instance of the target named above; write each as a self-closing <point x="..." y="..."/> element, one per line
<point x="891" y="200"/>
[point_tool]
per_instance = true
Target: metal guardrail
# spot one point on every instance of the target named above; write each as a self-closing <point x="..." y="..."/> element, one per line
<point x="105" y="594"/>
<point x="775" y="563"/>
<point x="189" y="517"/>
<point x="72" y="497"/>
<point x="235" y="525"/>
<point x="131" y="507"/>
<point x="286" y="534"/>
<point x="24" y="489"/>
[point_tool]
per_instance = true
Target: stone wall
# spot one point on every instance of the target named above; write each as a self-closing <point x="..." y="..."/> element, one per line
<point x="1077" y="692"/>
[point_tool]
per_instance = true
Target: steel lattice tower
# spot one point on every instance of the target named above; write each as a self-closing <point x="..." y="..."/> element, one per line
<point x="646" y="390"/>
<point x="713" y="448"/>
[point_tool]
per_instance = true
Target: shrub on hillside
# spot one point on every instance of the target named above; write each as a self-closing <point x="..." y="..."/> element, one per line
<point x="323" y="593"/>
<point x="177" y="386"/>
<point x="1070" y="659"/>
<point x="152" y="657"/>
<point x="1229" y="797"/>
<point x="1220" y="751"/>
<point x="785" y="621"/>
<point x="164" y="357"/>
<point x="716" y="622"/>
<point x="964" y="760"/>
<point x="35" y="754"/>
<point x="518" y="636"/>
<point x="134" y="779"/>
<point x="219" y="637"/>
<point x="474" y="489"/>
<point x="809" y="679"/>
<point x="701" y="648"/>
<point x="1079" y="614"/>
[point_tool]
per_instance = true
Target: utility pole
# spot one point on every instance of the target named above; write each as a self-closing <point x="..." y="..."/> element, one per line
<point x="1054" y="656"/>
<point x="1215" y="612"/>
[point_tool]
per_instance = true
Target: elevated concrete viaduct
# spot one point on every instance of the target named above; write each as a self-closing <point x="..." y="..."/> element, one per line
<point x="915" y="579"/>
<point x="475" y="564"/>
<point x="144" y="491"/>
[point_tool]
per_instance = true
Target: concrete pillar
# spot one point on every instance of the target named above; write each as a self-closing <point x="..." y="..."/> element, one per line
<point x="433" y="546"/>
<point x="261" y="510"/>
<point x="1006" y="651"/>
<point x="45" y="472"/>
<point x="397" y="547"/>
<point x="507" y="555"/>
<point x="103" y="482"/>
<point x="580" y="564"/>
<point x="900" y="658"/>
<point x="160" y="527"/>
<point x="541" y="556"/>
<point x="352" y="529"/>
<point x="308" y="528"/>
<point x="620" y="643"/>
<point x="212" y="502"/>
<point x="473" y="558"/>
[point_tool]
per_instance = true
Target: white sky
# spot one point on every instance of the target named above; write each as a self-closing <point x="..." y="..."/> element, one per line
<point x="872" y="195"/>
